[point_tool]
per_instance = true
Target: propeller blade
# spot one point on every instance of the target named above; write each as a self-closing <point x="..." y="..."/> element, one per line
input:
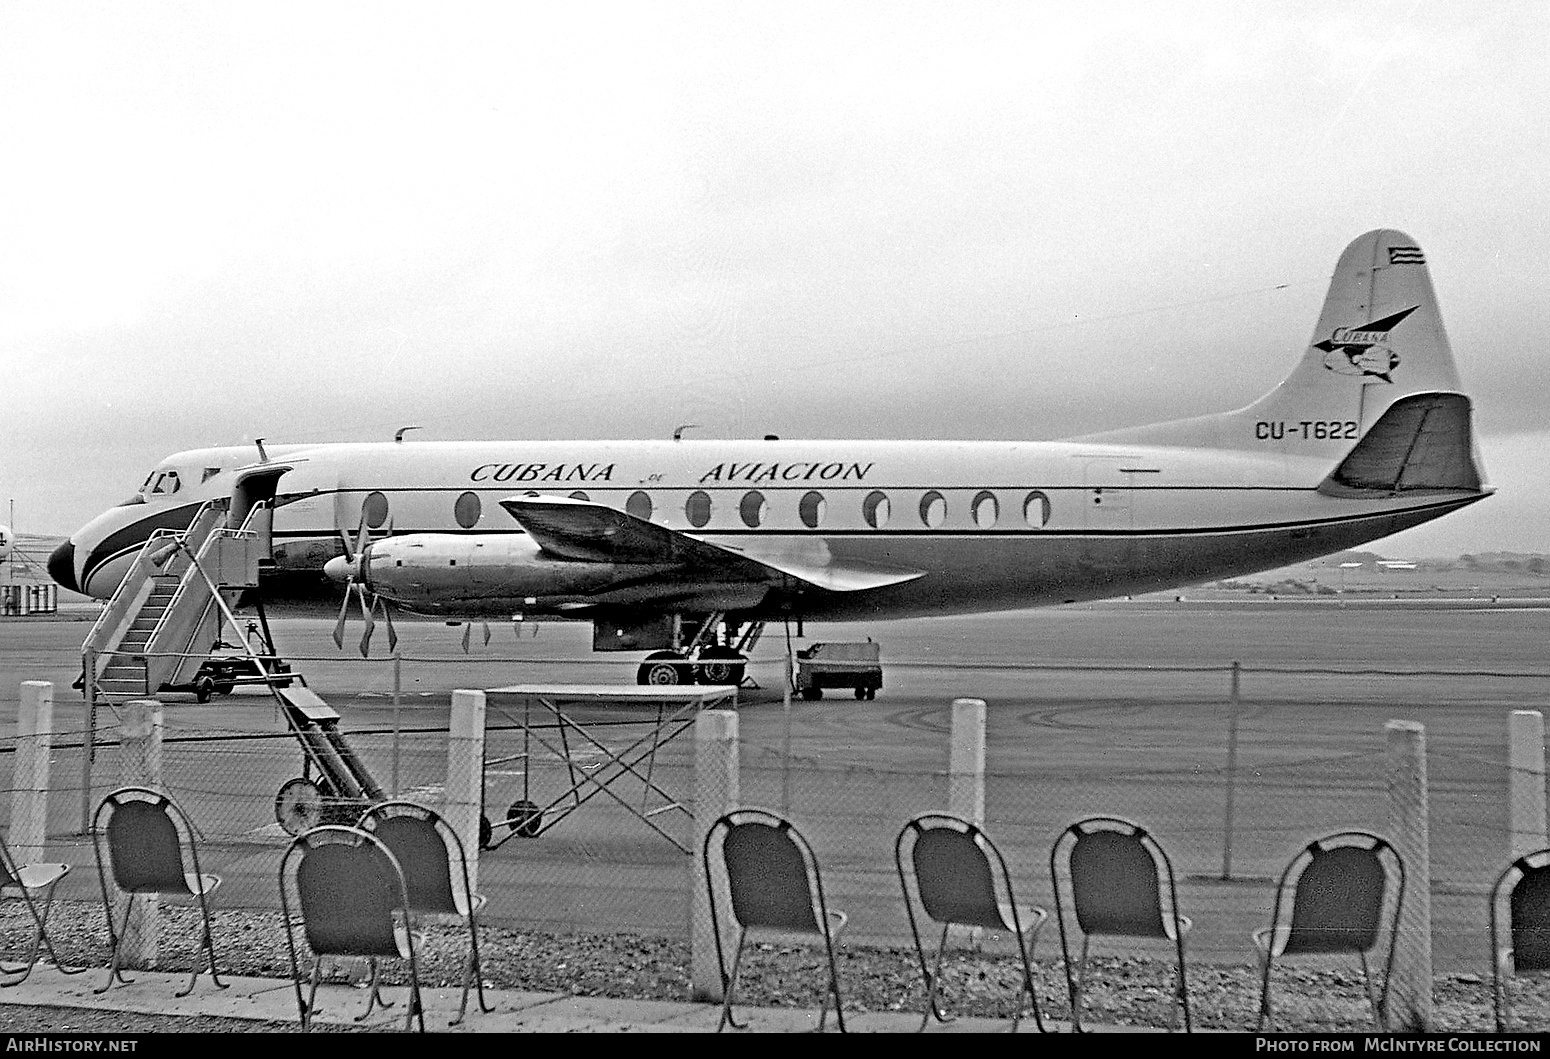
<point x="487" y="634"/>
<point x="369" y="614"/>
<point x="363" y="535"/>
<point x="344" y="612"/>
<point x="387" y="615"/>
<point x="467" y="629"/>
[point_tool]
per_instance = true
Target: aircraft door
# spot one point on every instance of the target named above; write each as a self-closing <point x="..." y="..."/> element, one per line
<point x="251" y="489"/>
<point x="1107" y="497"/>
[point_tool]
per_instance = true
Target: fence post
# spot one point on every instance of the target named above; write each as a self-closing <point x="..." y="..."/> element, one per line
<point x="34" y="738"/>
<point x="716" y="793"/>
<point x="89" y="735"/>
<point x="139" y="765"/>
<point x="1410" y="993"/>
<point x="966" y="761"/>
<point x="1526" y="782"/>
<point x="464" y="802"/>
<point x="1234" y="701"/>
<point x="398" y="684"/>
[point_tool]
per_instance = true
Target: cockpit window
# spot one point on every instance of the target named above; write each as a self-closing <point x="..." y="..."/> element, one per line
<point x="163" y="483"/>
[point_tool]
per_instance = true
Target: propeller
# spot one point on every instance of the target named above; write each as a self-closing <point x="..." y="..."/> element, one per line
<point x="468" y="630"/>
<point x="351" y="569"/>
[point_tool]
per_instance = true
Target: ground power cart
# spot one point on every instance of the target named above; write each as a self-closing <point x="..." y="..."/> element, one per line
<point x="839" y="665"/>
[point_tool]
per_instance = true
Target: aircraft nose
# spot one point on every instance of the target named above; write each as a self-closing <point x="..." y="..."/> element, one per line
<point x="61" y="566"/>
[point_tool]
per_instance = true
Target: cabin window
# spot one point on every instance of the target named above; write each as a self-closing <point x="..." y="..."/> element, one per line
<point x="467" y="510"/>
<point x="753" y="509"/>
<point x="375" y="510"/>
<point x="933" y="509"/>
<point x="1036" y="509"/>
<point x="697" y="508"/>
<point x="208" y="473"/>
<point x="986" y="510"/>
<point x="639" y="504"/>
<point x="876" y="509"/>
<point x="579" y="495"/>
<point x="811" y="509"/>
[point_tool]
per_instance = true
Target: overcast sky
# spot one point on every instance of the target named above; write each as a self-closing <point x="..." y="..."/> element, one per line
<point x="324" y="221"/>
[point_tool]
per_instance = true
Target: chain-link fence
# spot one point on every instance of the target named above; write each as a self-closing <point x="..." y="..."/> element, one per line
<point x="1230" y="786"/>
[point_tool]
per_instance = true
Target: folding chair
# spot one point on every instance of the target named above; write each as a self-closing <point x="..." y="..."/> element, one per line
<point x="960" y="878"/>
<point x="775" y="887"/>
<point x="428" y="850"/>
<point x="24" y="881"/>
<point x="1525" y="887"/>
<point x="150" y="850"/>
<point x="352" y="901"/>
<point x="1336" y="886"/>
<point x="1118" y="876"/>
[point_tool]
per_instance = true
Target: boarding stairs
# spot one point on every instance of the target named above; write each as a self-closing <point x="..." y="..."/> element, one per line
<point x="157" y="630"/>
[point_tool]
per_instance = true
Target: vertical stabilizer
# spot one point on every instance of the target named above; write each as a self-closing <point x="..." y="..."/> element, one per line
<point x="1379" y="338"/>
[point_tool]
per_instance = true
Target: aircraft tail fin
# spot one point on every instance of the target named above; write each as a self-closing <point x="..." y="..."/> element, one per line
<point x="1379" y="339"/>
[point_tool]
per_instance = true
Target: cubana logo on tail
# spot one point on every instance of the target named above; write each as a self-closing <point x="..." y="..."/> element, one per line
<point x="1361" y="350"/>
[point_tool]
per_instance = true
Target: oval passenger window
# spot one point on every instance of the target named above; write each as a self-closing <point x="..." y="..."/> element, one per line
<point x="811" y="509"/>
<point x="933" y="509"/>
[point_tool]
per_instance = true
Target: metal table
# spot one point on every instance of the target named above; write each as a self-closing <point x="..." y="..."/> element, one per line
<point x="650" y="717"/>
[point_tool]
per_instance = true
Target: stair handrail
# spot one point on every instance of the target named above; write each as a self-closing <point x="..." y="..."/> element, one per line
<point x="152" y="553"/>
<point x="196" y="574"/>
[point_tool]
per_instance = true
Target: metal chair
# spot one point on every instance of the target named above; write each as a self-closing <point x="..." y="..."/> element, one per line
<point x="775" y="887"/>
<point x="24" y="881"/>
<point x="352" y="901"/>
<point x="435" y="870"/>
<point x="1118" y="876"/>
<point x="1336" y="886"/>
<point x="150" y="850"/>
<point x="960" y="879"/>
<point x="1525" y="889"/>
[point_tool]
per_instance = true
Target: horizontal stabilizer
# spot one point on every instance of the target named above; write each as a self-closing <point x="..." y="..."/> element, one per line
<point x="1423" y="443"/>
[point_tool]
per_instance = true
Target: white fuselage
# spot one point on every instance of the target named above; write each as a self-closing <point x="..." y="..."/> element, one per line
<point x="992" y="525"/>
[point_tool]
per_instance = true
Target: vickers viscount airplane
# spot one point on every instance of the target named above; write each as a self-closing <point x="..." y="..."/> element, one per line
<point x="683" y="548"/>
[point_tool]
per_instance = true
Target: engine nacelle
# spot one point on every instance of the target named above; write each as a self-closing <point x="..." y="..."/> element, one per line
<point x="490" y="573"/>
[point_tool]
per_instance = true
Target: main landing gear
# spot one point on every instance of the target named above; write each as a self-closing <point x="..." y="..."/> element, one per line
<point x="706" y="660"/>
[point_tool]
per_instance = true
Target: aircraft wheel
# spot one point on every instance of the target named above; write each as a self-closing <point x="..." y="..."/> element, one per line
<point x="720" y="665"/>
<point x="204" y="688"/>
<point x="299" y="806"/>
<point x="663" y="671"/>
<point x="224" y="688"/>
<point x="525" y="818"/>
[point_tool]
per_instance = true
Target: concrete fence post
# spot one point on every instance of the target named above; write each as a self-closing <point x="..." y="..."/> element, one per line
<point x="716" y="793"/>
<point x="463" y="806"/>
<point x="34" y="743"/>
<point x="966" y="761"/>
<point x="1526" y="782"/>
<point x="139" y="765"/>
<point x="1410" y="993"/>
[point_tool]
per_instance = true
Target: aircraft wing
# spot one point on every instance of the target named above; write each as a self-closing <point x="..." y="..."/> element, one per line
<point x="582" y="531"/>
